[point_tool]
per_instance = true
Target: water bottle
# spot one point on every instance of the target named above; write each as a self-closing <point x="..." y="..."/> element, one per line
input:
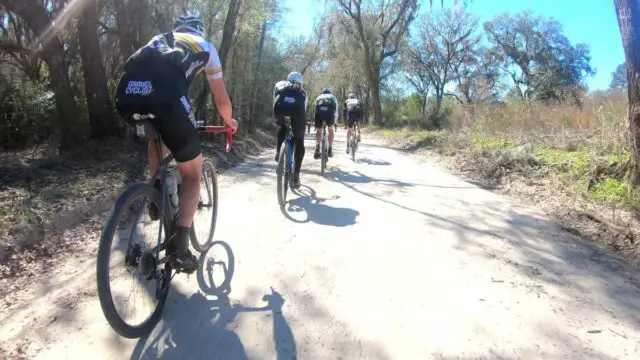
<point x="172" y="189"/>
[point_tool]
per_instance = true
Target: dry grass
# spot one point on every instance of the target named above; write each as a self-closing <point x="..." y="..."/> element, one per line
<point x="599" y="124"/>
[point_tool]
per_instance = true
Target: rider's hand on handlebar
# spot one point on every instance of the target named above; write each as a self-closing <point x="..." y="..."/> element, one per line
<point x="232" y="124"/>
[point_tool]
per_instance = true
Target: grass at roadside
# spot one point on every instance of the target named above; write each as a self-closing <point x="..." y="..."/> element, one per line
<point x="41" y="193"/>
<point x="596" y="174"/>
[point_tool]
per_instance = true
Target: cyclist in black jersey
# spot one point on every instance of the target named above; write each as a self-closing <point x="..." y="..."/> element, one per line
<point x="290" y="99"/>
<point x="156" y="80"/>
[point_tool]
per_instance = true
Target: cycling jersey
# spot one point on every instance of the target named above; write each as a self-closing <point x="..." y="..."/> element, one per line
<point x="189" y="52"/>
<point x="327" y="102"/>
<point x="285" y="87"/>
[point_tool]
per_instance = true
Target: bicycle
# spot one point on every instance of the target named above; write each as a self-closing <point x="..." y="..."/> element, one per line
<point x="324" y="148"/>
<point x="148" y="261"/>
<point x="284" y="170"/>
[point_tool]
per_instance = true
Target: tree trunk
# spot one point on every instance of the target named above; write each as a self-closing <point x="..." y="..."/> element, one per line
<point x="228" y="30"/>
<point x="628" y="12"/>
<point x="69" y="131"/>
<point x="374" y="81"/>
<point x="257" y="77"/>
<point x="101" y="117"/>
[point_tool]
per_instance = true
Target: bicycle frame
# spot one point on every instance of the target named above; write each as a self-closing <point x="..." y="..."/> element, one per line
<point x="289" y="140"/>
<point x="163" y="163"/>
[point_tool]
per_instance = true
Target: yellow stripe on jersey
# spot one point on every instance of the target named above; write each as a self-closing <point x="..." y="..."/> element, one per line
<point x="189" y="42"/>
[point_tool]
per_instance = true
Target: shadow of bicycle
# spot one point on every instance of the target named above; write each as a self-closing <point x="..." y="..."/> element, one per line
<point x="314" y="209"/>
<point x="198" y="327"/>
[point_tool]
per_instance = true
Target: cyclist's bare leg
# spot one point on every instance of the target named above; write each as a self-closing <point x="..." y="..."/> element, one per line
<point x="191" y="172"/>
<point x="318" y="135"/>
<point x="331" y="136"/>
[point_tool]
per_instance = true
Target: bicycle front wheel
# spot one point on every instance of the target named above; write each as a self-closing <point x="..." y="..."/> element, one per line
<point x="132" y="262"/>
<point x="204" y="221"/>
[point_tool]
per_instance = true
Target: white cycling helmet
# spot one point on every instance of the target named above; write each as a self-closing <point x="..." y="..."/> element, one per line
<point x="295" y="77"/>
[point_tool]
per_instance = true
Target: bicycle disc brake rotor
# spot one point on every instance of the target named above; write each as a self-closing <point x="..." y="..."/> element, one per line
<point x="147" y="264"/>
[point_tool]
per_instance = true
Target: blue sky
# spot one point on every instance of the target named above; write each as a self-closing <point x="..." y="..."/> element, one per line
<point x="589" y="21"/>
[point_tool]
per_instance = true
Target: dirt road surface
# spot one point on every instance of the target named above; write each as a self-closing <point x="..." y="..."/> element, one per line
<point x="385" y="258"/>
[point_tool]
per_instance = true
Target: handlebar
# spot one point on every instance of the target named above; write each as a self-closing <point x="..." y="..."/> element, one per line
<point x="216" y="129"/>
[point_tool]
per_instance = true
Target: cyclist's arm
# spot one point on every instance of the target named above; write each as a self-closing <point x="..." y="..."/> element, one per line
<point x="213" y="70"/>
<point x="335" y="113"/>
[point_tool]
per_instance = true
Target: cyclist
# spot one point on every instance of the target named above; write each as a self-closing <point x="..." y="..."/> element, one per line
<point x="290" y="99"/>
<point x="352" y="111"/>
<point x="326" y="112"/>
<point x="156" y="80"/>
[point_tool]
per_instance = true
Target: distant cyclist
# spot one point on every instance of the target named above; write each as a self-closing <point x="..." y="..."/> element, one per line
<point x="326" y="111"/>
<point x="352" y="112"/>
<point x="156" y="80"/>
<point x="290" y="99"/>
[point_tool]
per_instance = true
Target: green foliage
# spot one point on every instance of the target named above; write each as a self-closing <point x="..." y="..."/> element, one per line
<point x="610" y="190"/>
<point x="26" y="110"/>
<point x="619" y="77"/>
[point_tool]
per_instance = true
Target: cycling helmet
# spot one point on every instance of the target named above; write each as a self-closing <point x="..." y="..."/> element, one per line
<point x="352" y="96"/>
<point x="191" y="24"/>
<point x="326" y="91"/>
<point x="295" y="77"/>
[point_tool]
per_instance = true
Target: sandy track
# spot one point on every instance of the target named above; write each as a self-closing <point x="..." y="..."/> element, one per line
<point x="386" y="258"/>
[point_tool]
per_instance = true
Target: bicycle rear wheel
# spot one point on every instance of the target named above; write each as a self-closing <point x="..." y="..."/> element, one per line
<point x="353" y="147"/>
<point x="283" y="173"/>
<point x="131" y="258"/>
<point x="323" y="158"/>
<point x="204" y="221"/>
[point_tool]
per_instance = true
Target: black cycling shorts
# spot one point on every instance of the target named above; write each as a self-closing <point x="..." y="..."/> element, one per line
<point x="353" y="117"/>
<point x="161" y="91"/>
<point x="324" y="116"/>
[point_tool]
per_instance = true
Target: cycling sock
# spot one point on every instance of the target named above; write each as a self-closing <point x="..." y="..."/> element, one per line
<point x="180" y="241"/>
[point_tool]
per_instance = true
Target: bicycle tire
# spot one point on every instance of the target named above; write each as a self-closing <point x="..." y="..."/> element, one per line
<point x="207" y="165"/>
<point x="102" y="266"/>
<point x="323" y="159"/>
<point x="282" y="173"/>
<point x="353" y="148"/>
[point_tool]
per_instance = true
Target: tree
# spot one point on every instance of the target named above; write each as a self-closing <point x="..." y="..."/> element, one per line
<point x="101" y="114"/>
<point x="379" y="28"/>
<point x="628" y="13"/>
<point x="478" y="76"/>
<point x="619" y="77"/>
<point x="37" y="17"/>
<point x="538" y="57"/>
<point x="446" y="39"/>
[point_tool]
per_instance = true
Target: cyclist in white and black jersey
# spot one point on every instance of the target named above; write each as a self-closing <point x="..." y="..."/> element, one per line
<point x="326" y="111"/>
<point x="156" y="80"/>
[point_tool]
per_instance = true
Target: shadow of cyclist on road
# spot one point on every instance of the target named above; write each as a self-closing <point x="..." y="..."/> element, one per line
<point x="198" y="328"/>
<point x="316" y="211"/>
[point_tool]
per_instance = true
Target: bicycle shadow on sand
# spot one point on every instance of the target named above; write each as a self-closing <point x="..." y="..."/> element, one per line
<point x="314" y="209"/>
<point x="198" y="326"/>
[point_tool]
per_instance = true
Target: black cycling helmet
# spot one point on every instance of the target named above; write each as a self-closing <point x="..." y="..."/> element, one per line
<point x="191" y="24"/>
<point x="352" y="96"/>
<point x="326" y="91"/>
